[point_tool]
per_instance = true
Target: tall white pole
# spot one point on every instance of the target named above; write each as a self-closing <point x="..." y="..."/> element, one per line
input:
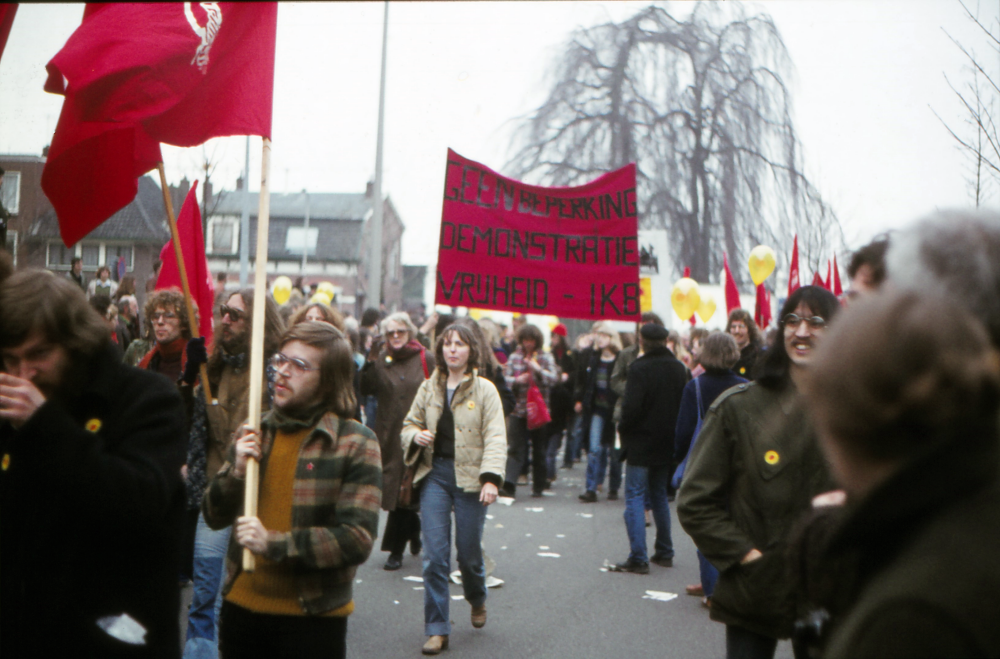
<point x="305" y="235"/>
<point x="375" y="259"/>
<point x="245" y="222"/>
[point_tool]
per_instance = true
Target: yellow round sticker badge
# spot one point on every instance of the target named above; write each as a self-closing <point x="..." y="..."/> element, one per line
<point x="472" y="405"/>
<point x="6" y="461"/>
<point x="93" y="425"/>
<point x="772" y="457"/>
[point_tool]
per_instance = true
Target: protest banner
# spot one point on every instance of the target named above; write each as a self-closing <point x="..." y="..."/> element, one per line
<point x="567" y="252"/>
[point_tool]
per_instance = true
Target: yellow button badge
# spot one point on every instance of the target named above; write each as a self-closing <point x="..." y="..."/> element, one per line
<point x="772" y="457"/>
<point x="6" y="462"/>
<point x="93" y="425"/>
<point x="472" y="405"/>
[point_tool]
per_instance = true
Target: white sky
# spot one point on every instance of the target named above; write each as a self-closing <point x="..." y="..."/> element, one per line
<point x="867" y="75"/>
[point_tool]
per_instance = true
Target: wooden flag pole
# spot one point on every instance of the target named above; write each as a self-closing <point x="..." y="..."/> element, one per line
<point x="257" y="337"/>
<point x="175" y="238"/>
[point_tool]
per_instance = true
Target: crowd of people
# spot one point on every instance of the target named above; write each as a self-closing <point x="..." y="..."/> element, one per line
<point x="841" y="481"/>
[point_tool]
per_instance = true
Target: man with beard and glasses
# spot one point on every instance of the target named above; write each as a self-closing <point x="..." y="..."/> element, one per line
<point x="212" y="427"/>
<point x="91" y="497"/>
<point x="317" y="514"/>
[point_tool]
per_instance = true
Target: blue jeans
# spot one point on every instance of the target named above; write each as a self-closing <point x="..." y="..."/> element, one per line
<point x="551" y="454"/>
<point x="439" y="496"/>
<point x="639" y="480"/>
<point x="573" y="432"/>
<point x="709" y="575"/>
<point x="599" y="456"/>
<point x="209" y="569"/>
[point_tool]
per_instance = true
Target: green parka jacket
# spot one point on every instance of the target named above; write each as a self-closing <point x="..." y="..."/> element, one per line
<point x="753" y="472"/>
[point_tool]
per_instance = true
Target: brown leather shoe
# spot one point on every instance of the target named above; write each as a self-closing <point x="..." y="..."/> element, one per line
<point x="479" y="616"/>
<point x="694" y="589"/>
<point x="435" y="644"/>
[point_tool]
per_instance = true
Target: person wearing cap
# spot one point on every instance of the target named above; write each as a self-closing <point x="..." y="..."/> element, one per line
<point x="653" y="390"/>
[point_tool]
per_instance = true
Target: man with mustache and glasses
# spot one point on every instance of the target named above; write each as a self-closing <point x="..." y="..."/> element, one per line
<point x="317" y="515"/>
<point x="212" y="427"/>
<point x="751" y="475"/>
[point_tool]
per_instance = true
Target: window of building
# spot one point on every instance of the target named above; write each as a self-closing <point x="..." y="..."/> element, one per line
<point x="113" y="252"/>
<point x="91" y="255"/>
<point x="223" y="235"/>
<point x="10" y="191"/>
<point x="297" y="236"/>
<point x="59" y="256"/>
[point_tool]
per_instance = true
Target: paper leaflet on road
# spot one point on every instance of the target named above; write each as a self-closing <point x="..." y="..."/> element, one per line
<point x="569" y="252"/>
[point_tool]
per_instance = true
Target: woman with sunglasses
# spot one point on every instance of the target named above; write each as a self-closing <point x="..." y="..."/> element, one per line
<point x="455" y="435"/>
<point x="752" y="474"/>
<point x="396" y="367"/>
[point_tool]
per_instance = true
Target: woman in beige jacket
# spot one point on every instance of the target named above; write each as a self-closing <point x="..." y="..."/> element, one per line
<point x="455" y="435"/>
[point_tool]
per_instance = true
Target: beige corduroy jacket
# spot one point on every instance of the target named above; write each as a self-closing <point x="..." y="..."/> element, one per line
<point x="480" y="431"/>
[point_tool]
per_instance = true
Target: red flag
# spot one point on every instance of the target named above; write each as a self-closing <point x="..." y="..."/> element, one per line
<point x="793" y="272"/>
<point x="762" y="309"/>
<point x="837" y="289"/>
<point x="826" y="284"/>
<point x="817" y="280"/>
<point x="7" y="12"/>
<point x="732" y="293"/>
<point x="135" y="75"/>
<point x="195" y="263"/>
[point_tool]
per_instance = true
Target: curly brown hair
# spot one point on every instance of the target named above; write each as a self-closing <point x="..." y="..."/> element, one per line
<point x="744" y="317"/>
<point x="170" y="299"/>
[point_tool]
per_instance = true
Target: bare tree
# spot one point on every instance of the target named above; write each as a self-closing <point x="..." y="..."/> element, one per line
<point x="980" y="98"/>
<point x="702" y="107"/>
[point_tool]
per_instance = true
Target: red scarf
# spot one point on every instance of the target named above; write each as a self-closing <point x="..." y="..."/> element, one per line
<point x="171" y="349"/>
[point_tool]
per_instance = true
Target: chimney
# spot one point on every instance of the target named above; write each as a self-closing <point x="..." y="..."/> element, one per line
<point x="369" y="189"/>
<point x="239" y="182"/>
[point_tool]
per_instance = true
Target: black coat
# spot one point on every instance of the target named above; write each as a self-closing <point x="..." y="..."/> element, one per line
<point x="91" y="503"/>
<point x="652" y="399"/>
<point x="914" y="564"/>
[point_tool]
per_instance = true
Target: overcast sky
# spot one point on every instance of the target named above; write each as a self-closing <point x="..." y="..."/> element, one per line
<point x="866" y="77"/>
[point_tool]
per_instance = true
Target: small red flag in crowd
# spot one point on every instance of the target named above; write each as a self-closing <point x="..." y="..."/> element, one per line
<point x="732" y="293"/>
<point x="828" y="284"/>
<point x="7" y="12"/>
<point x="817" y="280"/>
<point x="793" y="273"/>
<point x="136" y="75"/>
<point x="837" y="288"/>
<point x="199" y="277"/>
<point x="762" y="309"/>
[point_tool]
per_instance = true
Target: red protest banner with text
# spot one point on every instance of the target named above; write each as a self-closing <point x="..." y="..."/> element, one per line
<point x="567" y="252"/>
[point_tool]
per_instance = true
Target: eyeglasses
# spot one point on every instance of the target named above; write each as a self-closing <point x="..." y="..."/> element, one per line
<point x="395" y="333"/>
<point x="165" y="315"/>
<point x="235" y="315"/>
<point x="814" y="322"/>
<point x="298" y="367"/>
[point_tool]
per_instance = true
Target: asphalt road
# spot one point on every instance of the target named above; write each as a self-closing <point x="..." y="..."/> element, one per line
<point x="548" y="606"/>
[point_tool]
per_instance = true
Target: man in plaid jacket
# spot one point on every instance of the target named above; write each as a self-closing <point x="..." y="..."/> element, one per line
<point x="320" y="492"/>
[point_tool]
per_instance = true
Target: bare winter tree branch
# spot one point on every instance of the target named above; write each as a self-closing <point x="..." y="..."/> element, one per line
<point x="702" y="107"/>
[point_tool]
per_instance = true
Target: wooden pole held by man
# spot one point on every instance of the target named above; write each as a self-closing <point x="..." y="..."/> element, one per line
<point x="257" y="337"/>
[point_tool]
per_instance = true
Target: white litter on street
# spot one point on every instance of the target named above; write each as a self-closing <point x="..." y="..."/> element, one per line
<point x="418" y="588"/>
<point x="544" y="547"/>
<point x="560" y="535"/>
<point x="659" y="596"/>
<point x="458" y="597"/>
<point x="586" y="515"/>
<point x="548" y="554"/>
<point x="546" y="493"/>
<point x="498" y="526"/>
<point x="493" y="582"/>
<point x="527" y="535"/>
<point x="358" y="581"/>
<point x="489" y="517"/>
<point x="456" y="577"/>
<point x="505" y="501"/>
<point x="503" y="547"/>
<point x="395" y="601"/>
<point x="535" y="510"/>
<point x="417" y="579"/>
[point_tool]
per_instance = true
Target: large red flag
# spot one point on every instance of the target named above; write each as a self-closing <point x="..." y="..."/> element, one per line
<point x="827" y="284"/>
<point x="7" y="12"/>
<point x="837" y="288"/>
<point x="793" y="272"/>
<point x="732" y="293"/>
<point x="135" y="75"/>
<point x="195" y="263"/>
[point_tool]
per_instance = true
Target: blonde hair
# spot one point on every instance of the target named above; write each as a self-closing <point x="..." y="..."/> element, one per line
<point x="604" y="327"/>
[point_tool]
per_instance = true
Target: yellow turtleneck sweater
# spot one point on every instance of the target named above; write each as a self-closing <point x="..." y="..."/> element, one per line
<point x="270" y="588"/>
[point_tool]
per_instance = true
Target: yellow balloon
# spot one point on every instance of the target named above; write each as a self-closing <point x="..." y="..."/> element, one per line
<point x="685" y="297"/>
<point x="321" y="298"/>
<point x="282" y="289"/>
<point x="706" y="309"/>
<point x="761" y="263"/>
<point x="326" y="288"/>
